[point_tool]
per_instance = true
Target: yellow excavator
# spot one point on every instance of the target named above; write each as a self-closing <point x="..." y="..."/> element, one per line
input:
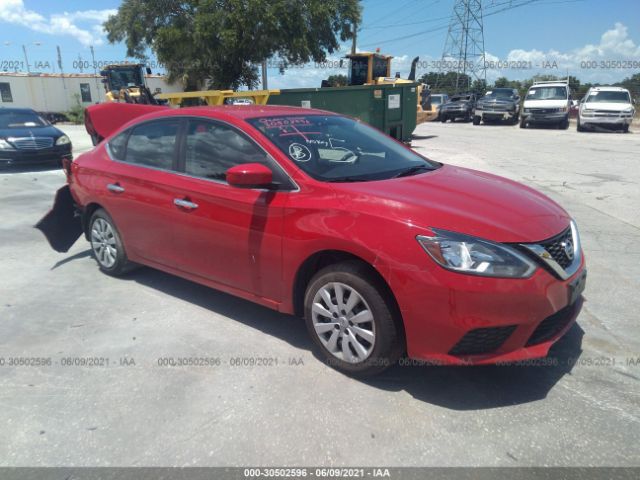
<point x="125" y="83"/>
<point x="374" y="68"/>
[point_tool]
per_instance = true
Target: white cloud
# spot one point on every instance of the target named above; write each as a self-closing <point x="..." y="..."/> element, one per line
<point x="65" y="23"/>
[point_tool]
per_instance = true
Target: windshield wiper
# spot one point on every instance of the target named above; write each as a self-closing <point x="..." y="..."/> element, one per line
<point x="346" y="179"/>
<point x="411" y="171"/>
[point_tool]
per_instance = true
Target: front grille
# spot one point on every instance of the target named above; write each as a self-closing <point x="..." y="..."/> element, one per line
<point x="497" y="107"/>
<point x="556" y="247"/>
<point x="552" y="325"/>
<point x="543" y="110"/>
<point x="482" y="340"/>
<point x="32" y="143"/>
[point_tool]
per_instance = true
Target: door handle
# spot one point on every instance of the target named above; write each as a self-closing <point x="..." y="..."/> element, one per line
<point x="115" y="188"/>
<point x="180" y="202"/>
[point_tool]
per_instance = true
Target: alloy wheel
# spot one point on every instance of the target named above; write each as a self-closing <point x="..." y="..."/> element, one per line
<point x="103" y="242"/>
<point x="343" y="322"/>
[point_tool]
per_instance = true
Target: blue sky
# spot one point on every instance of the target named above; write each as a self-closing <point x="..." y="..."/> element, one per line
<point x="566" y="32"/>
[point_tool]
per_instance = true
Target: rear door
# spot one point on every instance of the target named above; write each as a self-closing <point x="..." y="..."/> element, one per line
<point x="138" y="191"/>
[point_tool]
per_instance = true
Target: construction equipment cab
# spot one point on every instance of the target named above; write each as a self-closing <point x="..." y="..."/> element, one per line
<point x="369" y="68"/>
<point x="547" y="103"/>
<point x="125" y="83"/>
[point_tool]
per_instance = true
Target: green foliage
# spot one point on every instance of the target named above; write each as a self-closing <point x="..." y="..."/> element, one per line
<point x="338" y="80"/>
<point x="220" y="43"/>
<point x="76" y="113"/>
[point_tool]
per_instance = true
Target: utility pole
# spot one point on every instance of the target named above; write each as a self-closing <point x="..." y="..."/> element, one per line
<point x="95" y="70"/>
<point x="464" y="47"/>
<point x="354" y="27"/>
<point x="265" y="86"/>
<point x="26" y="59"/>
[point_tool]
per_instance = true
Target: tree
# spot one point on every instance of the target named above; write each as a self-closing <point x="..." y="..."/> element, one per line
<point x="449" y="83"/>
<point x="220" y="43"/>
<point x="338" y="80"/>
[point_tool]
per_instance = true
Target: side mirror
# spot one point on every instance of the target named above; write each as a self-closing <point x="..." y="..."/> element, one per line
<point x="249" y="175"/>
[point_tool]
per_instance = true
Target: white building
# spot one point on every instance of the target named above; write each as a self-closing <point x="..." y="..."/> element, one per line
<point x="56" y="92"/>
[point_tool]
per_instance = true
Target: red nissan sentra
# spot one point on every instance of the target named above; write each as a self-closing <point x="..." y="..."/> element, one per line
<point x="381" y="250"/>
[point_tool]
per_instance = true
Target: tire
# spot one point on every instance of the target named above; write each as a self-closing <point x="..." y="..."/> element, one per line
<point x="515" y="119"/>
<point x="579" y="127"/>
<point x="476" y="120"/>
<point x="443" y="119"/>
<point x="564" y="124"/>
<point x="107" y="246"/>
<point x="523" y="123"/>
<point x="374" y="342"/>
<point x="625" y="128"/>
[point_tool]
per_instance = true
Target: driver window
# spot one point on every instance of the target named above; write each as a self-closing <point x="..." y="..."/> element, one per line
<point x="212" y="148"/>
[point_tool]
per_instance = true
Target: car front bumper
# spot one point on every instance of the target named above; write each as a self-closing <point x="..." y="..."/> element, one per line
<point x="611" y="120"/>
<point x="495" y="114"/>
<point x="48" y="156"/>
<point x="546" y="117"/>
<point x="457" y="319"/>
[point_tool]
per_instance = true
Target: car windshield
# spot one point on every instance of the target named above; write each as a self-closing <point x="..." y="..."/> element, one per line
<point x="21" y="120"/>
<point x="609" y="97"/>
<point x="500" y="93"/>
<point x="339" y="149"/>
<point x="460" y="98"/>
<point x="547" y="93"/>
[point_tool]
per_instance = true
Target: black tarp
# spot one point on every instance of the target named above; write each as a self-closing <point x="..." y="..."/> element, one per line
<point x="61" y="226"/>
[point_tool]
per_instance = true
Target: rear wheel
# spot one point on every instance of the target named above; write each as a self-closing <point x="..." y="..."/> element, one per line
<point x="107" y="245"/>
<point x="351" y="320"/>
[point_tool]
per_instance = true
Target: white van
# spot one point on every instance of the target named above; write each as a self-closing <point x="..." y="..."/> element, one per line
<point x="547" y="103"/>
<point x="606" y="106"/>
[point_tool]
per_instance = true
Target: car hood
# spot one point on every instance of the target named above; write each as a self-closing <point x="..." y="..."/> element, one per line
<point x="496" y="101"/>
<point x="456" y="104"/>
<point x="618" y="107"/>
<point x="545" y="103"/>
<point x="46" y="131"/>
<point x="461" y="200"/>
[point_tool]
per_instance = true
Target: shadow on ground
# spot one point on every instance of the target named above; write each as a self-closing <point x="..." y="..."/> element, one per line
<point x="457" y="388"/>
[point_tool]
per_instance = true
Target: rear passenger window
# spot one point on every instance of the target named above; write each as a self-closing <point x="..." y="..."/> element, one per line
<point x="118" y="146"/>
<point x="153" y="144"/>
<point x="212" y="148"/>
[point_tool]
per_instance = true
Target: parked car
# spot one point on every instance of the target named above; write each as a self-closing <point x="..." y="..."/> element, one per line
<point x="437" y="101"/>
<point x="498" y="104"/>
<point x="547" y="103"/>
<point x="606" y="107"/>
<point x="28" y="139"/>
<point x="380" y="249"/>
<point x="459" y="106"/>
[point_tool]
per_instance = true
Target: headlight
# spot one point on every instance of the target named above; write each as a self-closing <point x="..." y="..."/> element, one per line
<point x="4" y="145"/>
<point x="475" y="256"/>
<point x="628" y="110"/>
<point x="63" y="140"/>
<point x="526" y="110"/>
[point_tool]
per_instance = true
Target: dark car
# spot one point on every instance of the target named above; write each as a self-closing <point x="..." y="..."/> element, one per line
<point x="499" y="104"/>
<point x="28" y="139"/>
<point x="459" y="106"/>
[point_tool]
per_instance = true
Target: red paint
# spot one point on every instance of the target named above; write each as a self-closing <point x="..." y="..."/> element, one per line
<point x="252" y="242"/>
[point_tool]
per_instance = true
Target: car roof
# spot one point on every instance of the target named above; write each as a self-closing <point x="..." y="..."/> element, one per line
<point x="609" y="88"/>
<point x="549" y="84"/>
<point x="17" y="110"/>
<point x="243" y="112"/>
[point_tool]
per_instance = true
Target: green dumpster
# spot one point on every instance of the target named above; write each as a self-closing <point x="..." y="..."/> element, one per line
<point x="391" y="108"/>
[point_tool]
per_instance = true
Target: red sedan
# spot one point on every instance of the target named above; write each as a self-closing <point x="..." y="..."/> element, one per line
<point x="381" y="250"/>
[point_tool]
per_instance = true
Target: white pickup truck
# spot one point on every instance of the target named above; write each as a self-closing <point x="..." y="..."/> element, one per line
<point x="606" y="107"/>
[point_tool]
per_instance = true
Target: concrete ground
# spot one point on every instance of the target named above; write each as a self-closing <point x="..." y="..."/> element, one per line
<point x="583" y="409"/>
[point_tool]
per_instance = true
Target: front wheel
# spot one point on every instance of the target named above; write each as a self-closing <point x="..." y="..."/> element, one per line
<point x="443" y="119"/>
<point x="579" y="126"/>
<point x="476" y="120"/>
<point x="625" y="128"/>
<point x="523" y="123"/>
<point x="351" y="319"/>
<point x="564" y="124"/>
